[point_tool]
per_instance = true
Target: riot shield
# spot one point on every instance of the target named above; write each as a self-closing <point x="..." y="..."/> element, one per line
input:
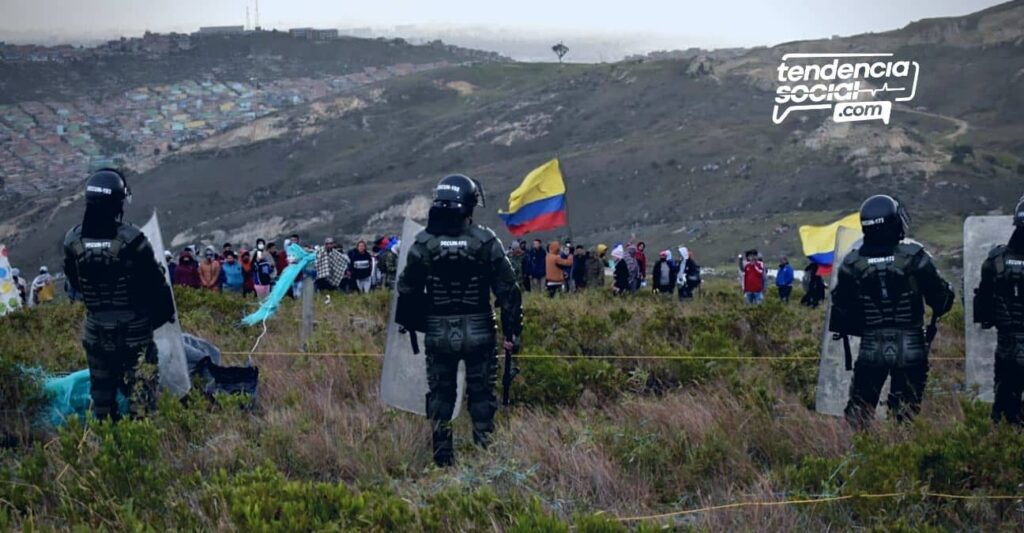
<point x="981" y="234"/>
<point x="403" y="381"/>
<point x="173" y="365"/>
<point x="833" y="378"/>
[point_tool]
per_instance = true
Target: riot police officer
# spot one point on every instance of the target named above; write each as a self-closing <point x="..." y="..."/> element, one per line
<point x="999" y="303"/>
<point x="112" y="265"/>
<point x="451" y="270"/>
<point x="879" y="296"/>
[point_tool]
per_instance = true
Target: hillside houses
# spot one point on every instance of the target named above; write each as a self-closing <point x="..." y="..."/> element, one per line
<point x="47" y="144"/>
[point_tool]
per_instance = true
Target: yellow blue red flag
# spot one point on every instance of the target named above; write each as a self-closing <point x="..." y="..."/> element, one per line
<point x="819" y="242"/>
<point x="538" y="204"/>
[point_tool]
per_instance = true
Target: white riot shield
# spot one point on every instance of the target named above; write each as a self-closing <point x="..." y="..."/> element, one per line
<point x="173" y="365"/>
<point x="833" y="378"/>
<point x="981" y="234"/>
<point x="403" y="381"/>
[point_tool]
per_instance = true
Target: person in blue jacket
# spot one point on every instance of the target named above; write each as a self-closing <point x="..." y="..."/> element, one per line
<point x="231" y="273"/>
<point x="784" y="280"/>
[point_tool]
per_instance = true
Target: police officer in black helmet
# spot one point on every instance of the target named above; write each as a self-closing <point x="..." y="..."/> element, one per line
<point x="112" y="265"/>
<point x="879" y="296"/>
<point x="445" y="290"/>
<point x="999" y="303"/>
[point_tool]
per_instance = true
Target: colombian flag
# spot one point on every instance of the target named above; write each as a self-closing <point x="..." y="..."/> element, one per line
<point x="538" y="204"/>
<point x="819" y="242"/>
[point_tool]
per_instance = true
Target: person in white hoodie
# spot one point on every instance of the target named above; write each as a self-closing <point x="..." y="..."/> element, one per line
<point x="42" y="287"/>
<point x="19" y="284"/>
<point x="622" y="276"/>
<point x="688" y="277"/>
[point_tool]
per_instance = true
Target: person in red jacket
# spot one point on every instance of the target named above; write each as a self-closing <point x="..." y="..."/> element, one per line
<point x="187" y="271"/>
<point x="248" y="284"/>
<point x="753" y="278"/>
<point x="641" y="261"/>
<point x="279" y="257"/>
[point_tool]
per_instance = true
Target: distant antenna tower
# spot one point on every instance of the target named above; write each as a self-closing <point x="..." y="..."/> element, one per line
<point x="257" y="15"/>
<point x="247" y="26"/>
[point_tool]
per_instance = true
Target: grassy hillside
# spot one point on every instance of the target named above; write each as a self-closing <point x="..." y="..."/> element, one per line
<point x="588" y="441"/>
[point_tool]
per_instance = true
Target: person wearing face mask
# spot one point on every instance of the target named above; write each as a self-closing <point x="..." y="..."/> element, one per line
<point x="231" y="273"/>
<point x="209" y="271"/>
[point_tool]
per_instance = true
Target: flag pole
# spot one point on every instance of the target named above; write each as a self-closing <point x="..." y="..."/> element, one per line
<point x="568" y="224"/>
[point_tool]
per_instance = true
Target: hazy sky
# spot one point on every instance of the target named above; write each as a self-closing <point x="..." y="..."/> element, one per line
<point x="680" y="22"/>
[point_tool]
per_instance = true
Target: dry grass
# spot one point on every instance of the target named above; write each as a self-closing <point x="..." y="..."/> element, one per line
<point x="688" y="439"/>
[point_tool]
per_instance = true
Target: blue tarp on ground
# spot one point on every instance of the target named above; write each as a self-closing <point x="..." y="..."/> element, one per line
<point x="70" y="395"/>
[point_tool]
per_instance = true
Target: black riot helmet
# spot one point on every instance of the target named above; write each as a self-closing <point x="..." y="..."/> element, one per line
<point x="458" y="193"/>
<point x="107" y="191"/>
<point x="1018" y="213"/>
<point x="884" y="217"/>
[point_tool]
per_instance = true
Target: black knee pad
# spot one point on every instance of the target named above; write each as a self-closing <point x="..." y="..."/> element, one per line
<point x="440" y="405"/>
<point x="482" y="410"/>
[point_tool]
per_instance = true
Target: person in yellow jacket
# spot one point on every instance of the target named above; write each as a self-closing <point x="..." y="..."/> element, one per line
<point x="42" y="287"/>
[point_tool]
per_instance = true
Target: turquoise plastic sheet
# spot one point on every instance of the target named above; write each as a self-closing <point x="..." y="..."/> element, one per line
<point x="283" y="284"/>
<point x="69" y="397"/>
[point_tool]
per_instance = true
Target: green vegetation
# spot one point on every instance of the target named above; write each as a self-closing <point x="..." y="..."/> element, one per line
<point x="588" y="440"/>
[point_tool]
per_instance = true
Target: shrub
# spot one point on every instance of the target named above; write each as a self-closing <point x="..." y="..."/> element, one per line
<point x="597" y="437"/>
<point x="21" y="401"/>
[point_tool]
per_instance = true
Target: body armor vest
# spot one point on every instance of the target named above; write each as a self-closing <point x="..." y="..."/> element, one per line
<point x="888" y="294"/>
<point x="458" y="281"/>
<point x="1008" y="292"/>
<point x="104" y="271"/>
<point x="459" y="316"/>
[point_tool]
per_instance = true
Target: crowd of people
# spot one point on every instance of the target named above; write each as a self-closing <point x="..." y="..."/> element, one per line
<point x="255" y="270"/>
<point x="562" y="267"/>
<point x="753" y="276"/>
<point x="558" y="267"/>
